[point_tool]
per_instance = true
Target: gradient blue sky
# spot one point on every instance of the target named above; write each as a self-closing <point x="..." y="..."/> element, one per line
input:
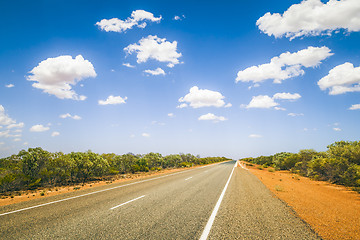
<point x="216" y="39"/>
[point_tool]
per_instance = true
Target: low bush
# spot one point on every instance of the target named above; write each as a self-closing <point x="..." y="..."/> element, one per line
<point x="340" y="164"/>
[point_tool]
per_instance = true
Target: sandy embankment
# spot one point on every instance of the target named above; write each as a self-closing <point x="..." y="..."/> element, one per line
<point x="333" y="211"/>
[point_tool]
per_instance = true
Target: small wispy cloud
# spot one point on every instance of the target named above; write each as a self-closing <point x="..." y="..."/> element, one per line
<point x="128" y="65"/>
<point x="255" y="136"/>
<point x="68" y="115"/>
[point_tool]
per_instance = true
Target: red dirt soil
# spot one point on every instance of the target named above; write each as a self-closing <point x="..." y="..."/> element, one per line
<point x="333" y="211"/>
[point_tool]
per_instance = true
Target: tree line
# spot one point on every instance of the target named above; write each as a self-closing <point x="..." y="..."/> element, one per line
<point x="39" y="168"/>
<point x="340" y="164"/>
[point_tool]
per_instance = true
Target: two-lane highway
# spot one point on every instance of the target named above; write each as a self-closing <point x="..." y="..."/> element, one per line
<point x="173" y="206"/>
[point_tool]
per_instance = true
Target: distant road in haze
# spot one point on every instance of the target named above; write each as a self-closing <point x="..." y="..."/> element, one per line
<point x="191" y="204"/>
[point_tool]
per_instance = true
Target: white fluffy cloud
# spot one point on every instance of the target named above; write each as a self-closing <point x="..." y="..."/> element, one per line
<point x="54" y="134"/>
<point x="158" y="71"/>
<point x="113" y="100"/>
<point x="4" y="118"/>
<point x="211" y="117"/>
<point x="39" y="128"/>
<point x="312" y="18"/>
<point x="287" y="96"/>
<point x="285" y="66"/>
<point x="171" y="115"/>
<point x="197" y="98"/>
<point x="153" y="47"/>
<point x="68" y="115"/>
<point x="341" y="79"/>
<point x="354" y="107"/>
<point x="337" y="129"/>
<point x="264" y="101"/>
<point x="9" y="85"/>
<point x="138" y="19"/>
<point x="56" y="75"/>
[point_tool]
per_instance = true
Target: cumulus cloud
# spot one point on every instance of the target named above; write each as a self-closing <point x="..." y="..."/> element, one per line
<point x="171" y="115"/>
<point x="10" y="85"/>
<point x="54" y="134"/>
<point x="255" y="136"/>
<point x="264" y="101"/>
<point x="337" y="129"/>
<point x="56" y="75"/>
<point x="158" y="71"/>
<point x="287" y="96"/>
<point x="68" y="115"/>
<point x="113" y="100"/>
<point x="153" y="47"/>
<point x="128" y="65"/>
<point x="354" y="107"/>
<point x="341" y="79"/>
<point x="285" y="66"/>
<point x="312" y="18"/>
<point x="211" y="117"/>
<point x="197" y="98"/>
<point x="4" y="118"/>
<point x="39" y="128"/>
<point x="138" y="19"/>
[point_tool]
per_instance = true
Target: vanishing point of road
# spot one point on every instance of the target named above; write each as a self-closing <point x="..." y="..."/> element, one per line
<point x="218" y="201"/>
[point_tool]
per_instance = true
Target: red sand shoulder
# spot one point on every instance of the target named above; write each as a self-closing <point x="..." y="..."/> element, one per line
<point x="333" y="211"/>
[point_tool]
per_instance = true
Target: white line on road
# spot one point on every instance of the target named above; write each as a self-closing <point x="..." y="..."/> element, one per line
<point x="188" y="178"/>
<point x="86" y="194"/>
<point x="127" y="202"/>
<point x="210" y="222"/>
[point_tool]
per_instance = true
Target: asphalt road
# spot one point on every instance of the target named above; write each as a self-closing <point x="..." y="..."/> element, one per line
<point x="172" y="206"/>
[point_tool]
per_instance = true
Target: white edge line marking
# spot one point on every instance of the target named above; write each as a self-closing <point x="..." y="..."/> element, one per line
<point x="86" y="194"/>
<point x="210" y="222"/>
<point x="188" y="178"/>
<point x="127" y="202"/>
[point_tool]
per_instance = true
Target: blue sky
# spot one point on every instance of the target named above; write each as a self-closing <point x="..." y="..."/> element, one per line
<point x="227" y="78"/>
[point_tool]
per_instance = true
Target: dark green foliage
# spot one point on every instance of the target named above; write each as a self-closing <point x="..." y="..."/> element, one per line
<point x="339" y="164"/>
<point x="38" y="168"/>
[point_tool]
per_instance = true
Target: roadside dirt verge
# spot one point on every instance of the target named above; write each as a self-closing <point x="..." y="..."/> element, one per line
<point x="333" y="211"/>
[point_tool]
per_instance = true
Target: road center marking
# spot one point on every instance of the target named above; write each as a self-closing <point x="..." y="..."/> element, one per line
<point x="127" y="202"/>
<point x="210" y="222"/>
<point x="188" y="178"/>
<point x="86" y="194"/>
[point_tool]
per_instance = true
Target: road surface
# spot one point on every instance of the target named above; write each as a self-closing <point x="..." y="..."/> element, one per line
<point x="211" y="202"/>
